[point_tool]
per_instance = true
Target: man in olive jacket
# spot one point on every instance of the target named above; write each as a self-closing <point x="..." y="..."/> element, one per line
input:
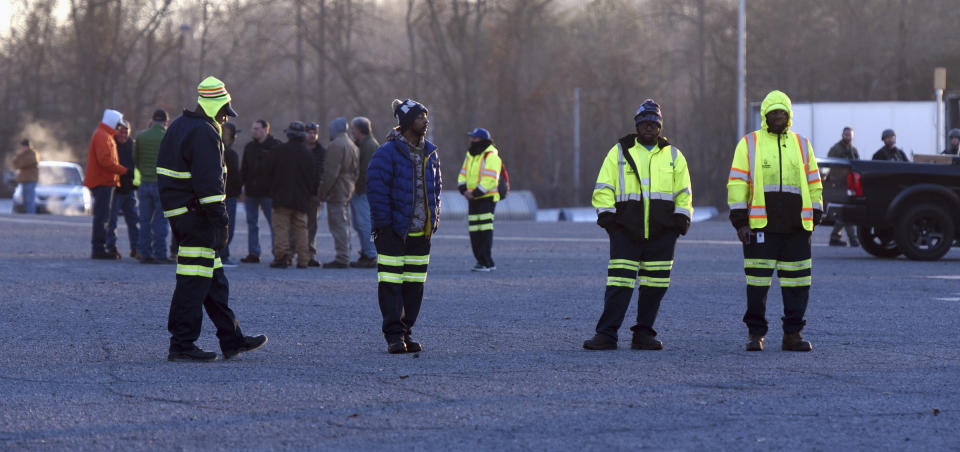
<point x="341" y="167"/>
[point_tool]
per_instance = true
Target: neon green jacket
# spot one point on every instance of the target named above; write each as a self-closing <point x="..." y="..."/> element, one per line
<point x="481" y="172"/>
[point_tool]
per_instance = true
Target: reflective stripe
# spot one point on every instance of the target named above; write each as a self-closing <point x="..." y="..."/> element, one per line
<point x="628" y="262"/>
<point x="806" y="214"/>
<point x="621" y="267"/>
<point x="813" y="177"/>
<point x="605" y="209"/>
<point x="795" y="265"/>
<point x="759" y="263"/>
<point x="480" y="216"/>
<point x="463" y="171"/>
<point x="817" y="206"/>
<point x="174" y="212"/>
<point x="629" y="197"/>
<point x="685" y="190"/>
<point x="482" y="189"/>
<point x="480" y="227"/>
<point x="620" y="163"/>
<point x="796" y="282"/>
<point x="417" y="260"/>
<point x="212" y="199"/>
<point x="217" y="263"/>
<point x="758" y="211"/>
<point x="662" y="196"/>
<point x="224" y="169"/>
<point x="673" y="155"/>
<point x="416" y="234"/>
<point x="390" y="261"/>
<point x="414" y="277"/>
<point x="645" y="181"/>
<point x="759" y="281"/>
<point x="781" y="188"/>
<point x="737" y="205"/>
<point x="683" y="211"/>
<point x="653" y="282"/>
<point x="172" y="173"/>
<point x="392" y="278"/>
<point x="489" y="173"/>
<point x="196" y="251"/>
<point x="621" y="282"/>
<point x="736" y="173"/>
<point x="194" y="270"/>
<point x="751" y="153"/>
<point x="601" y="186"/>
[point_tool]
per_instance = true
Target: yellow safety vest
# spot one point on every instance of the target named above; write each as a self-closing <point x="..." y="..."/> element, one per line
<point x="482" y="171"/>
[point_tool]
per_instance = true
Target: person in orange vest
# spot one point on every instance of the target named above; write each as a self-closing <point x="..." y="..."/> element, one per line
<point x="478" y="180"/>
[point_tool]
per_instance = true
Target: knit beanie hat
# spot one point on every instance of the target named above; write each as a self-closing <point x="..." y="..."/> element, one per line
<point x="296" y="129"/>
<point x="406" y="112"/>
<point x="648" y="111"/>
<point x="213" y="96"/>
<point x="887" y="133"/>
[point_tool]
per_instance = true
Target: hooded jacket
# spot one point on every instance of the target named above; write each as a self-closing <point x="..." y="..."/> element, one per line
<point x="480" y="173"/>
<point x="341" y="168"/>
<point x="103" y="166"/>
<point x="774" y="182"/>
<point x="391" y="182"/>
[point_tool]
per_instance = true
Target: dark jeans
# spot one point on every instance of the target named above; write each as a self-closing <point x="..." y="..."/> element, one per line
<point x="647" y="263"/>
<point x="127" y="203"/>
<point x="401" y="273"/>
<point x="480" y="225"/>
<point x="153" y="226"/>
<point x="851" y="232"/>
<point x="789" y="254"/>
<point x="252" y="206"/>
<point x="201" y="284"/>
<point x="232" y="215"/>
<point x="102" y="200"/>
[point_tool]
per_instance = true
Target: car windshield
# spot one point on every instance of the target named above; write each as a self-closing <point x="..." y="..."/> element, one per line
<point x="59" y="175"/>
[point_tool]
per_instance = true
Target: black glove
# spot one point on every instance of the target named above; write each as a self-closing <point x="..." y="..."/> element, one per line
<point x="817" y="216"/>
<point x="220" y="223"/>
<point x="743" y="233"/>
<point x="462" y="188"/>
<point x="606" y="219"/>
<point x="681" y="222"/>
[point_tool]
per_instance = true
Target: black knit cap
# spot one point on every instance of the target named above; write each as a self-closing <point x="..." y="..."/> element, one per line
<point x="406" y="112"/>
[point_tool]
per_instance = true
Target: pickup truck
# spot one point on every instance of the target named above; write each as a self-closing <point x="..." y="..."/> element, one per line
<point x="898" y="207"/>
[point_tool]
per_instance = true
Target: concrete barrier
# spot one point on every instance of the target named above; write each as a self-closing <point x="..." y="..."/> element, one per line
<point x="519" y="205"/>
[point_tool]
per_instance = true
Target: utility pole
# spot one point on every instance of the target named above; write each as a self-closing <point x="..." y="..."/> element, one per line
<point x="184" y="29"/>
<point x="576" y="146"/>
<point x="741" y="68"/>
<point x="299" y="62"/>
<point x="939" y="84"/>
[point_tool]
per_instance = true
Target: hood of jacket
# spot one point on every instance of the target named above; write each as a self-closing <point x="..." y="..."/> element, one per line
<point x="111" y="118"/>
<point x="776" y="100"/>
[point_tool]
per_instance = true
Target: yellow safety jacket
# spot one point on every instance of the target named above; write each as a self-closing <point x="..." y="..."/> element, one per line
<point x="664" y="185"/>
<point x="762" y="163"/>
<point x="481" y="172"/>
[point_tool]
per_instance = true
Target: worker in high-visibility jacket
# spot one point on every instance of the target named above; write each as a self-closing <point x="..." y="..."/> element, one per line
<point x="478" y="182"/>
<point x="191" y="170"/>
<point x="644" y="201"/>
<point x="774" y="197"/>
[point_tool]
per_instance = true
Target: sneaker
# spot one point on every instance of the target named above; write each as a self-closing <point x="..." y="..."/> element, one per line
<point x="195" y="355"/>
<point x="491" y="268"/>
<point x="480" y="268"/>
<point x="600" y="342"/>
<point x="313" y="263"/>
<point x="364" y="262"/>
<point x="793" y="342"/>
<point x="397" y="346"/>
<point x="854" y="243"/>
<point x="645" y="342"/>
<point x="335" y="264"/>
<point x="228" y="263"/>
<point x="755" y="344"/>
<point x="250" y="343"/>
<point x="412" y="347"/>
<point x="251" y="259"/>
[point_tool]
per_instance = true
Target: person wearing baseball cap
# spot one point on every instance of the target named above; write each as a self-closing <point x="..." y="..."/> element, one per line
<point x="890" y="151"/>
<point x="190" y="171"/>
<point x="478" y="181"/>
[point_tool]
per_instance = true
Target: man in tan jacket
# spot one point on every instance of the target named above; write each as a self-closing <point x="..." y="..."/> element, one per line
<point x="28" y="172"/>
<point x="341" y="167"/>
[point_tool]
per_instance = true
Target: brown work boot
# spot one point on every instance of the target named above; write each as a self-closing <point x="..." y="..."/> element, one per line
<point x="793" y="342"/>
<point x="755" y="344"/>
<point x="643" y="341"/>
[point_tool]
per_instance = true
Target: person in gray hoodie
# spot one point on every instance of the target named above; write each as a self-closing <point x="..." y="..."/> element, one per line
<point x="341" y="168"/>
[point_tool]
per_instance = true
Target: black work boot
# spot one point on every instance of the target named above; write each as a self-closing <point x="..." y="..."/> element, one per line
<point x="412" y="347"/>
<point x="793" y="342"/>
<point x="755" y="344"/>
<point x="642" y="341"/>
<point x="194" y="355"/>
<point x="250" y="343"/>
<point x="600" y="342"/>
<point x="395" y="346"/>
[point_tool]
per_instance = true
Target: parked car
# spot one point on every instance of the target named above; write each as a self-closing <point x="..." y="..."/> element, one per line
<point x="60" y="190"/>
<point x="908" y="208"/>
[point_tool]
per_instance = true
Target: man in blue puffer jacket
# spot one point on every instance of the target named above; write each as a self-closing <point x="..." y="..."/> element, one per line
<point x="403" y="187"/>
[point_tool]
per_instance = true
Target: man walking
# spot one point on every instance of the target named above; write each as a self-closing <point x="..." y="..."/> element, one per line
<point x="234" y="184"/>
<point x="362" y="134"/>
<point x="844" y="149"/>
<point x="644" y="201"/>
<point x="313" y="209"/>
<point x="153" y="227"/>
<point x="340" y="172"/>
<point x="27" y="164"/>
<point x="774" y="193"/>
<point x="102" y="176"/>
<point x="403" y="186"/>
<point x="125" y="196"/>
<point x="890" y="151"/>
<point x="478" y="180"/>
<point x="190" y="165"/>
<point x="954" y="146"/>
<point x="256" y="186"/>
<point x="291" y="180"/>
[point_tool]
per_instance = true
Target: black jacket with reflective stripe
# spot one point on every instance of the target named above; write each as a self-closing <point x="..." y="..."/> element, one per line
<point x="190" y="165"/>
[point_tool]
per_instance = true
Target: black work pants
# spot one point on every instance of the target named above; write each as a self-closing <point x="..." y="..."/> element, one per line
<point x="647" y="263"/>
<point x="401" y="271"/>
<point x="201" y="284"/>
<point x="789" y="254"/>
<point x="480" y="225"/>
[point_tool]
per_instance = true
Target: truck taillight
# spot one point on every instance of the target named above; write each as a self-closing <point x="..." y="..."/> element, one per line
<point x="854" y="188"/>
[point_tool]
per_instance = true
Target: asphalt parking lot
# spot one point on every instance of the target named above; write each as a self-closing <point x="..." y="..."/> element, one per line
<point x="84" y="357"/>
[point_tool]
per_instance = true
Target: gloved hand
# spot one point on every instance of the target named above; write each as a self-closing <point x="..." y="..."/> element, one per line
<point x="606" y="219"/>
<point x="743" y="233"/>
<point x="817" y="216"/>
<point x="681" y="222"/>
<point x="220" y="222"/>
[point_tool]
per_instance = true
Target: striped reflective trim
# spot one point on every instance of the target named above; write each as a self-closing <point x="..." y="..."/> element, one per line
<point x="645" y="181"/>
<point x="794" y="265"/>
<point x="414" y="277"/>
<point x="751" y="153"/>
<point x="781" y="189"/>
<point x="480" y="216"/>
<point x="813" y="176"/>
<point x="224" y="169"/>
<point x="673" y="155"/>
<point x="683" y="211"/>
<point x="390" y="278"/>
<point x="654" y="282"/>
<point x="417" y="260"/>
<point x="629" y="197"/>
<point x="817" y="206"/>
<point x="606" y="209"/>
<point x="482" y="189"/>
<point x="463" y="172"/>
<point x="656" y="265"/>
<point x="736" y="173"/>
<point x="685" y="190"/>
<point x="195" y="270"/>
<point x="635" y="264"/>
<point x="480" y="227"/>
<point x="196" y="251"/>
<point x="416" y="234"/>
<point x="623" y="264"/>
<point x="390" y="261"/>
<point x="759" y="281"/>
<point x="174" y="212"/>
<point x="601" y="186"/>
<point x="217" y="263"/>
<point x="759" y="263"/>
<point x="621" y="282"/>
<point x="212" y="199"/>
<point x="758" y="211"/>
<point x="737" y="205"/>
<point x="662" y="196"/>
<point x="620" y="164"/>
<point x="796" y="282"/>
<point x="489" y="173"/>
<point x="173" y="174"/>
<point x="806" y="214"/>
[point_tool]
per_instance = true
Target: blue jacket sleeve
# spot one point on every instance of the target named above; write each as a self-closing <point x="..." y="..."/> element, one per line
<point x="379" y="186"/>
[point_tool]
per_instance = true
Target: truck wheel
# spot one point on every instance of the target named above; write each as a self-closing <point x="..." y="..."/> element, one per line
<point x="925" y="232"/>
<point x="877" y="242"/>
